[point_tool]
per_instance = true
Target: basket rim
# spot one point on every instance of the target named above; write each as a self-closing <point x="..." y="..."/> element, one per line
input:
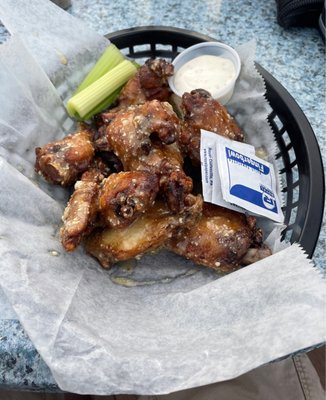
<point x="314" y="197"/>
<point x="159" y="28"/>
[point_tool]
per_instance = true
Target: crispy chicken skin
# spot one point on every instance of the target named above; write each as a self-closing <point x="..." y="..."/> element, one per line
<point x="255" y="254"/>
<point x="143" y="137"/>
<point x="149" y="83"/>
<point x="80" y="213"/>
<point x="125" y="196"/>
<point x="115" y="201"/>
<point x="62" y="162"/>
<point x="131" y="193"/>
<point x="130" y="133"/>
<point x="148" y="232"/>
<point x="201" y="111"/>
<point x="219" y="240"/>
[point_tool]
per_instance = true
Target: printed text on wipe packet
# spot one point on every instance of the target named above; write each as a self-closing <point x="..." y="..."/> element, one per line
<point x="235" y="178"/>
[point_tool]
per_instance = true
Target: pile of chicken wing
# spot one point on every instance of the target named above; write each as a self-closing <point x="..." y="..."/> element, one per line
<point x="131" y="192"/>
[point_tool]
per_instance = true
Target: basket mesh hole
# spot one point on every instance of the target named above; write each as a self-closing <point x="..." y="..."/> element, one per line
<point x="141" y="48"/>
<point x="165" y="51"/>
<point x="141" y="60"/>
<point x="295" y="176"/>
<point x="295" y="194"/>
<point x="165" y="47"/>
<point x="125" y="51"/>
<point x="293" y="216"/>
<point x="287" y="235"/>
<point x="180" y="49"/>
<point x="285" y="198"/>
<point x="278" y="122"/>
<point x="292" y="157"/>
<point x="286" y="139"/>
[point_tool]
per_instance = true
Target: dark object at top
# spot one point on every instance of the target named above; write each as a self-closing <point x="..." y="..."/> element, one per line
<point x="322" y="24"/>
<point x="299" y="12"/>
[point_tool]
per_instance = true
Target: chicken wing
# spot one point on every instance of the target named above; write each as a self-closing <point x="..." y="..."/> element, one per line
<point x="149" y="83"/>
<point x="143" y="138"/>
<point x="201" y="111"/>
<point x="219" y="240"/>
<point x="131" y="193"/>
<point x="146" y="233"/>
<point x="63" y="161"/>
<point x="80" y="213"/>
<point x="125" y="196"/>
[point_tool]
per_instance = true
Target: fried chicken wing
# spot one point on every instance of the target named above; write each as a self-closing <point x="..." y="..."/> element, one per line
<point x="146" y="233"/>
<point x="129" y="133"/>
<point x="201" y="111"/>
<point x="219" y="240"/>
<point x="143" y="137"/>
<point x="125" y="196"/>
<point x="149" y="83"/>
<point x="63" y="161"/>
<point x="80" y="213"/>
<point x="255" y="254"/>
<point x="131" y="193"/>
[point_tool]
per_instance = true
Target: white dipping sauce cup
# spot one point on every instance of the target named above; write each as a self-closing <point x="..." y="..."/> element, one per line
<point x="213" y="49"/>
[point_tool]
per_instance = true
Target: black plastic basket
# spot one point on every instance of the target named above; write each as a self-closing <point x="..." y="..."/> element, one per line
<point x="299" y="155"/>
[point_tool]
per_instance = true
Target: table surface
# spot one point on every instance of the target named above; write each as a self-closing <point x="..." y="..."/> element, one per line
<point x="295" y="57"/>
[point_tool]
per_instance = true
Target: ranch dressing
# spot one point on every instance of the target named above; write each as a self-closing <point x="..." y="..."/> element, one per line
<point x="208" y="72"/>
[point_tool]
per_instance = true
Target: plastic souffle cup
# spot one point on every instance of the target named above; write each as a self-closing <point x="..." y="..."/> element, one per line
<point x="224" y="93"/>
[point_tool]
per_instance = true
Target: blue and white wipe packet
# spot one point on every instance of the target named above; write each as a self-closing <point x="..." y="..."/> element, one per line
<point x="235" y="178"/>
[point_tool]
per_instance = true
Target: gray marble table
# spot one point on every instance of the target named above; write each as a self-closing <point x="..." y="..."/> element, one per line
<point x="295" y="57"/>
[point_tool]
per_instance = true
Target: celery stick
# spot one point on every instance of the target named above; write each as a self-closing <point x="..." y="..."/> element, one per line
<point x="108" y="60"/>
<point x="104" y="104"/>
<point x="85" y="101"/>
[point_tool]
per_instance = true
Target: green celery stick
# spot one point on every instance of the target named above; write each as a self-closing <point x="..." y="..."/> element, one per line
<point x="108" y="60"/>
<point x="81" y="104"/>
<point x="105" y="104"/>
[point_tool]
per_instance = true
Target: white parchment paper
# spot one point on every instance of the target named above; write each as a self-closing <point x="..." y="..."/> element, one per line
<point x="152" y="326"/>
<point x="62" y="45"/>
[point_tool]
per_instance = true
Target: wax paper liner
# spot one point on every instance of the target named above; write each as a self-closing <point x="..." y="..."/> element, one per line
<point x="63" y="46"/>
<point x="150" y="326"/>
